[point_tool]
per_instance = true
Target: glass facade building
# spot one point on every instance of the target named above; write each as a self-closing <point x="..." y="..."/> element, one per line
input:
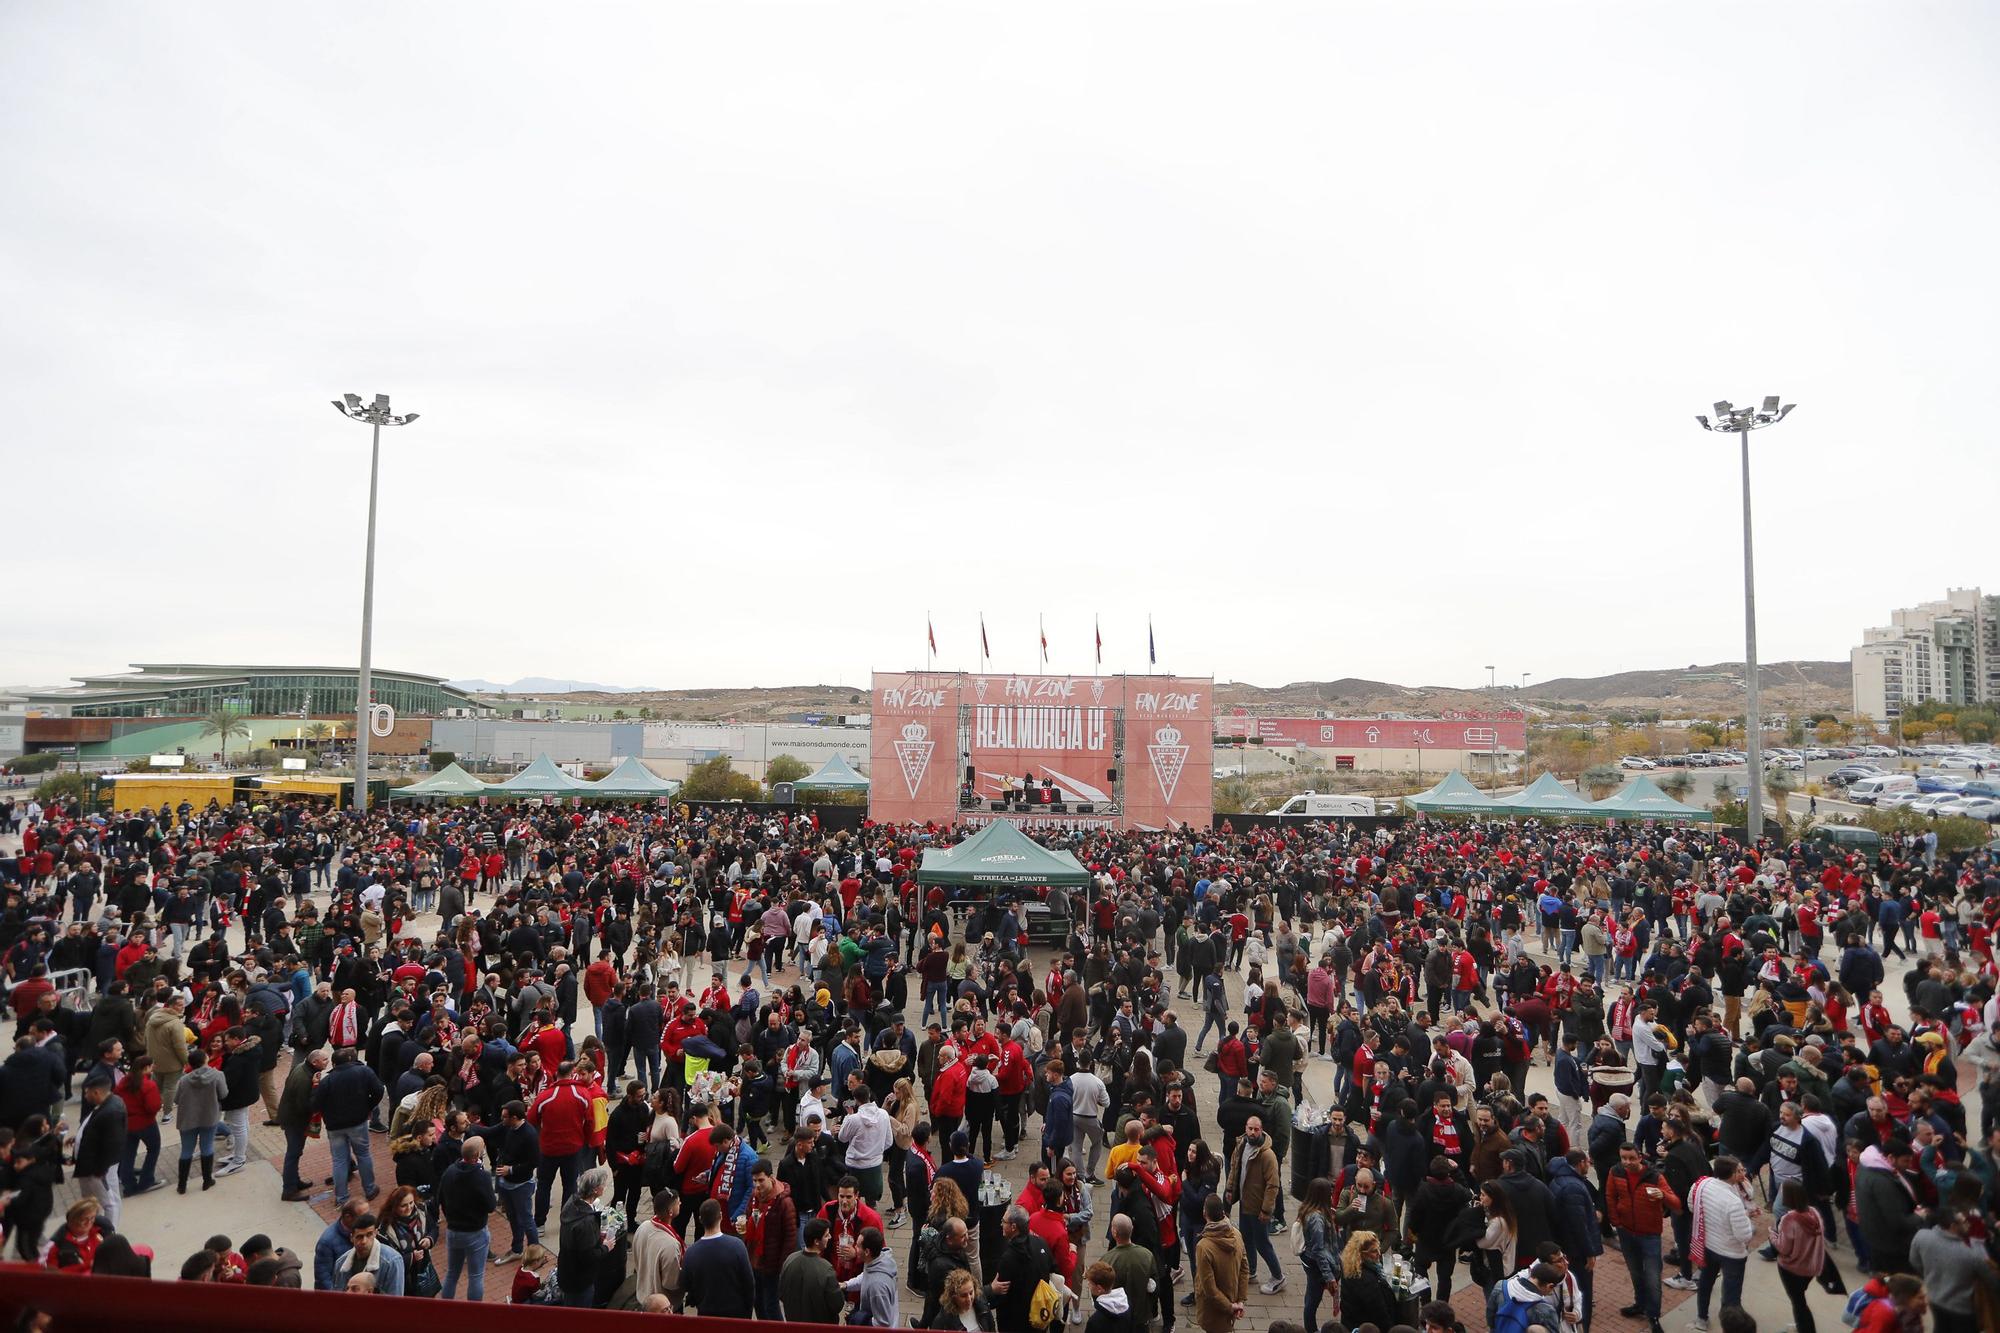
<point x="182" y="690"/>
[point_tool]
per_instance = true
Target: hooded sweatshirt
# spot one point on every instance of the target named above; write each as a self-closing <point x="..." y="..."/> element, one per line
<point x="1518" y="1288"/>
<point x="1112" y="1313"/>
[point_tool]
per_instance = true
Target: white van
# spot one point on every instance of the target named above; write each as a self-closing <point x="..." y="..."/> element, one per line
<point x="1311" y="805"/>
<point x="1867" y="791"/>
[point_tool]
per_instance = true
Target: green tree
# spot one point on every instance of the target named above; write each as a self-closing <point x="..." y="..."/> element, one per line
<point x="63" y="787"/>
<point x="223" y="724"/>
<point x="319" y="731"/>
<point x="618" y="715"/>
<point x="442" y="759"/>
<point x="785" y="768"/>
<point x="717" y="780"/>
<point x="1231" y="796"/>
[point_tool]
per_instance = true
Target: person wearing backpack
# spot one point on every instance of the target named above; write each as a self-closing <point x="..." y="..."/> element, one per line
<point x="1522" y="1301"/>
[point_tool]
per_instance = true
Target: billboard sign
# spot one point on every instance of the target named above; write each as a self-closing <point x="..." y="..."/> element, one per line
<point x="1134" y="747"/>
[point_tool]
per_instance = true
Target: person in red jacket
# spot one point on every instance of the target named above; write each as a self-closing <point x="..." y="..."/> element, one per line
<point x="599" y="980"/>
<point x="770" y="1233"/>
<point x="141" y="1096"/>
<point x="948" y="1094"/>
<point x="1049" y="1222"/>
<point x="1014" y="1075"/>
<point x="546" y="1039"/>
<point x="1637" y="1199"/>
<point x="562" y="1116"/>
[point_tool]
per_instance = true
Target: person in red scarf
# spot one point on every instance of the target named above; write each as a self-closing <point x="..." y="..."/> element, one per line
<point x="846" y="1217"/>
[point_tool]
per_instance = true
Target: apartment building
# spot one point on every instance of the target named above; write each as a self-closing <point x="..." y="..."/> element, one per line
<point x="1946" y="651"/>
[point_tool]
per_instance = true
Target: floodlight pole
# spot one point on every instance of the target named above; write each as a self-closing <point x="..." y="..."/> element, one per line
<point x="364" y="691"/>
<point x="1740" y="421"/>
<point x="376" y="415"/>
<point x="1753" y="723"/>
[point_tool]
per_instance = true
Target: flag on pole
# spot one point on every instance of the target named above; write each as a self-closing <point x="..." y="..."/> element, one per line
<point x="1045" y="637"/>
<point x="1099" y="627"/>
<point x="1152" y="658"/>
<point x="930" y="632"/>
<point x="985" y="651"/>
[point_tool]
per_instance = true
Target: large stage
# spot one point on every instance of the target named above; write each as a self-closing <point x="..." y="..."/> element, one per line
<point x="1063" y="751"/>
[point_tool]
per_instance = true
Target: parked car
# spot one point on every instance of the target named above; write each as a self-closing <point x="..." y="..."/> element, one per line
<point x="1867" y="791"/>
<point x="1637" y="761"/>
<point x="1929" y="802"/>
<point x="1973" y="807"/>
<point x="1892" y="800"/>
<point x="1878" y="752"/>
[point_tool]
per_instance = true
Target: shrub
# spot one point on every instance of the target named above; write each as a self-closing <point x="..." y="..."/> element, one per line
<point x="1602" y="780"/>
<point x="442" y="759"/>
<point x="44" y="762"/>
<point x="717" y="780"/>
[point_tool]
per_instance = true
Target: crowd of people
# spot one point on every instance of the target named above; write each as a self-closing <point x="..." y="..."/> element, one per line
<point x="694" y="1030"/>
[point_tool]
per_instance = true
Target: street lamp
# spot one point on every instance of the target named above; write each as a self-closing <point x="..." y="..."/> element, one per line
<point x="1493" y="746"/>
<point x="1740" y="421"/>
<point x="375" y="414"/>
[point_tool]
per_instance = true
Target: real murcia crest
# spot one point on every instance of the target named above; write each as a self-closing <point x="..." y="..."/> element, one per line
<point x="913" y="755"/>
<point x="1097" y="691"/>
<point x="1169" y="757"/>
<point x="979" y="688"/>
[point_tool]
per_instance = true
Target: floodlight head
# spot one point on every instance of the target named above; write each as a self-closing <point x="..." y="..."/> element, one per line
<point x="353" y="400"/>
<point x="1786" y="410"/>
<point x="340" y="407"/>
<point x="408" y="419"/>
<point x="1704" y="421"/>
<point x="381" y="402"/>
<point x="1771" y="403"/>
<point x="1723" y="409"/>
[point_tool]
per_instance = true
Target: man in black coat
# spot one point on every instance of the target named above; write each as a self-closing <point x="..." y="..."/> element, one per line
<point x="1534" y="1205"/>
<point x="100" y="1146"/>
<point x="643" y="1024"/>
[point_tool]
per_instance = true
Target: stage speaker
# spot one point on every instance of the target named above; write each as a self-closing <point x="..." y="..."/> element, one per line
<point x="1086" y="808"/>
<point x="1111" y="775"/>
<point x="996" y="806"/>
<point x="1060" y="808"/>
<point x="1020" y="807"/>
<point x="968" y="775"/>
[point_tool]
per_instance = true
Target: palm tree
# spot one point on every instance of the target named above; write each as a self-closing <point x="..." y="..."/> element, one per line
<point x="224" y="723"/>
<point x="318" y="731"/>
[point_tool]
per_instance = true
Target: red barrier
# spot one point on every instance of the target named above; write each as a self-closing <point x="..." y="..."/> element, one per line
<point x="122" y="1304"/>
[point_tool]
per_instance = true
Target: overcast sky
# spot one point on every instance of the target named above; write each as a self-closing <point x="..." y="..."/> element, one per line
<point x="1345" y="340"/>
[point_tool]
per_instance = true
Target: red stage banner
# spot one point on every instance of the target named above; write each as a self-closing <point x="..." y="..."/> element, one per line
<point x="1138" y="748"/>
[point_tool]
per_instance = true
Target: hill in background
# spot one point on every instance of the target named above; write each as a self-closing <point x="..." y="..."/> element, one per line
<point x="1684" y="691"/>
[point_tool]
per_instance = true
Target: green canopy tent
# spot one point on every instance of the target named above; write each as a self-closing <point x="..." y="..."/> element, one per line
<point x="1548" y="798"/>
<point x="541" y="778"/>
<point x="836" y="774"/>
<point x="1000" y="854"/>
<point x="1454" y="796"/>
<point x="1641" y="799"/>
<point x="451" y="780"/>
<point x="632" y="778"/>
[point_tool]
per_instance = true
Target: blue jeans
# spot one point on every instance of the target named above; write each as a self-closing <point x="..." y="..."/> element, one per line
<point x="767" y="1297"/>
<point x="646" y="1066"/>
<point x="935" y="990"/>
<point x="466" y="1251"/>
<point x="1257" y="1240"/>
<point x="130" y="1179"/>
<point x="518" y="1200"/>
<point x="1642" y="1261"/>
<point x="1567" y="947"/>
<point x="1211" y="1021"/>
<point x="350" y="1148"/>
<point x="205" y="1136"/>
<point x="1731" y="1272"/>
<point x="546" y="1172"/>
